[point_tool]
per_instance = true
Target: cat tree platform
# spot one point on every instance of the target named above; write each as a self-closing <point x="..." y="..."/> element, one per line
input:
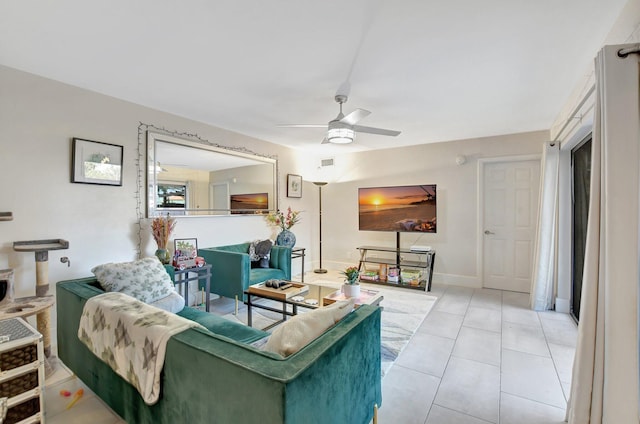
<point x="27" y="306"/>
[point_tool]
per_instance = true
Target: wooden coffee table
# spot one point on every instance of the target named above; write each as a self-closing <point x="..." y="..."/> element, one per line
<point x="311" y="296"/>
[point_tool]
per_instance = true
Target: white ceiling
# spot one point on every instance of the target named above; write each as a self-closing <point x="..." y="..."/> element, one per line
<point x="436" y="70"/>
<point x="175" y="155"/>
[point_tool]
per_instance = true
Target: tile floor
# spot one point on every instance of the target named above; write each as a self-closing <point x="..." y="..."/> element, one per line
<point x="88" y="409"/>
<point x="481" y="356"/>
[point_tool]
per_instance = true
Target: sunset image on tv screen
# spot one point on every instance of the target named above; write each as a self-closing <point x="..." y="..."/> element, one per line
<point x="402" y="208"/>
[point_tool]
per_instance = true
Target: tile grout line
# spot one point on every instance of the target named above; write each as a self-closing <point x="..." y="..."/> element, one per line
<point x="449" y="358"/>
<point x="445" y="369"/>
<point x="553" y="361"/>
<point x="435" y="395"/>
<point x="534" y="401"/>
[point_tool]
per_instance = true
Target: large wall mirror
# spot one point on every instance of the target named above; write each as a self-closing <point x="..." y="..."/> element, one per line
<point x="191" y="178"/>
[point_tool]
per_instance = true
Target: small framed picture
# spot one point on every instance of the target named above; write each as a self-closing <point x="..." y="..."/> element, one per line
<point x="294" y="185"/>
<point x="185" y="253"/>
<point x="93" y="162"/>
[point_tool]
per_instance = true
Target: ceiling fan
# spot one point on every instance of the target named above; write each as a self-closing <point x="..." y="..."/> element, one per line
<point x="342" y="129"/>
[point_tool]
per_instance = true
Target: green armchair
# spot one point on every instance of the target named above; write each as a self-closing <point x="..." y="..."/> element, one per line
<point x="232" y="274"/>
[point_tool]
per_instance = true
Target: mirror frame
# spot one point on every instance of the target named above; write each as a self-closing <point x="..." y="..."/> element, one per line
<point x="241" y="152"/>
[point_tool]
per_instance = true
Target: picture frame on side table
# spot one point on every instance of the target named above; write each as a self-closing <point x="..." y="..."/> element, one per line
<point x="185" y="253"/>
<point x="94" y="162"/>
<point x="294" y="185"/>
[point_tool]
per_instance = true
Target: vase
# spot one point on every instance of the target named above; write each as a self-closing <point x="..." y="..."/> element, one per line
<point x="286" y="238"/>
<point x="351" y="290"/>
<point x="163" y="255"/>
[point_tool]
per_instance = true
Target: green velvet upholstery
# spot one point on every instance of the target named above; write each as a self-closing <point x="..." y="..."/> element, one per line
<point x="231" y="272"/>
<point x="210" y="377"/>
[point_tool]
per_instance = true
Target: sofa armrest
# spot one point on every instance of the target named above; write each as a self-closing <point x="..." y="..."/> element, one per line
<point x="281" y="259"/>
<point x="229" y="271"/>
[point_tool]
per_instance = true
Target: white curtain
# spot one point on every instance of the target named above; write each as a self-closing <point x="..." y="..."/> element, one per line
<point x="604" y="387"/>
<point x="543" y="282"/>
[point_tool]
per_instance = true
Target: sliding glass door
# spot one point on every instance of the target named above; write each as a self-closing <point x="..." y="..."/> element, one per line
<point x="581" y="167"/>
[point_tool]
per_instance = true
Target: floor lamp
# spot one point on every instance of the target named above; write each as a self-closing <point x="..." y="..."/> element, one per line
<point x="320" y="184"/>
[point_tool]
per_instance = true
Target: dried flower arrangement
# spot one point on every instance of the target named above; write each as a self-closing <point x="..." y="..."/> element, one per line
<point x="161" y="229"/>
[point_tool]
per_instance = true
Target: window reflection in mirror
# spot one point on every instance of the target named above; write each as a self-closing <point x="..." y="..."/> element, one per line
<point x="172" y="198"/>
<point x="195" y="179"/>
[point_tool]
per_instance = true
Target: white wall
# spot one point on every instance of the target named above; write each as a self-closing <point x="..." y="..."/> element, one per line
<point x="456" y="239"/>
<point x="38" y="119"/>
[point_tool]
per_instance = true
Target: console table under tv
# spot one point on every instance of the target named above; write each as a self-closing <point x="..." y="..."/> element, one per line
<point x="419" y="267"/>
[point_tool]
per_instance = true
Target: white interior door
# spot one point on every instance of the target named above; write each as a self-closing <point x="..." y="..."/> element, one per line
<point x="219" y="198"/>
<point x="510" y="210"/>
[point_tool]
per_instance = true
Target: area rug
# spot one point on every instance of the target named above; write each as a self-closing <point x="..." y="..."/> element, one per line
<point x="403" y="310"/>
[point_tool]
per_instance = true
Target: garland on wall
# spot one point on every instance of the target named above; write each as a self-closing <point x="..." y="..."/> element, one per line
<point x="141" y="165"/>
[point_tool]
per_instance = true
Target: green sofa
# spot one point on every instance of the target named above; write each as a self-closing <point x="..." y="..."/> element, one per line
<point x="215" y="376"/>
<point x="231" y="271"/>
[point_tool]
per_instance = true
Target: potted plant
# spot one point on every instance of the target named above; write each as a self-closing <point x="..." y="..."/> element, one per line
<point x="284" y="222"/>
<point x="351" y="286"/>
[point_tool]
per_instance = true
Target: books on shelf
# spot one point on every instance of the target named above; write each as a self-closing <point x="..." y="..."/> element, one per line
<point x="393" y="274"/>
<point x="383" y="272"/>
<point x="411" y="276"/>
<point x="369" y="276"/>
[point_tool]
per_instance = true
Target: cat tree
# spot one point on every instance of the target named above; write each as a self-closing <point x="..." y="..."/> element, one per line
<point x="42" y="301"/>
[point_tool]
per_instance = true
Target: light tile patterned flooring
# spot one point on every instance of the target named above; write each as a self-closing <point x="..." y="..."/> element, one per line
<point x="481" y="356"/>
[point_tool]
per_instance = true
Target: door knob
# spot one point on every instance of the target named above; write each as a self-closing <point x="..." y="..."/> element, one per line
<point x="487" y="232"/>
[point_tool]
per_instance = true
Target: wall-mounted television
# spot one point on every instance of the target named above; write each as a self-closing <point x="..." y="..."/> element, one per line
<point x="410" y="208"/>
<point x="256" y="203"/>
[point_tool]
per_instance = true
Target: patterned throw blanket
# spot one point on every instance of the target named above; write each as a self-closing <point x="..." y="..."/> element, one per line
<point x="131" y="337"/>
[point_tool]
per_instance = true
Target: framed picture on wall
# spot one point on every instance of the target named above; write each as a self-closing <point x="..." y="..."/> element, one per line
<point x="93" y="162"/>
<point x="294" y="185"/>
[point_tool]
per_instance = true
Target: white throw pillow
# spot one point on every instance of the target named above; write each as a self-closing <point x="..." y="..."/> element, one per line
<point x="145" y="279"/>
<point x="173" y="303"/>
<point x="302" y="329"/>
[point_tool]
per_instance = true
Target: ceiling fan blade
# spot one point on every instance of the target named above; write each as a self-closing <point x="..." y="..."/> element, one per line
<point x="344" y="89"/>
<point x="379" y="131"/>
<point x="355" y="116"/>
<point x="302" y="125"/>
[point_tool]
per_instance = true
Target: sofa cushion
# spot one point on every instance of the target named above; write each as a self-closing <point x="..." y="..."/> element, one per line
<point x="144" y="279"/>
<point x="222" y="326"/>
<point x="258" y="275"/>
<point x="302" y="329"/>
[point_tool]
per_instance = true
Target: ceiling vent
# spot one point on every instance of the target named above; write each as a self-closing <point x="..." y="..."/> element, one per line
<point x="326" y="162"/>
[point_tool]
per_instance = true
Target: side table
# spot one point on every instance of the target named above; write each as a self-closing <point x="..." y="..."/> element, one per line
<point x="299" y="252"/>
<point x="180" y="276"/>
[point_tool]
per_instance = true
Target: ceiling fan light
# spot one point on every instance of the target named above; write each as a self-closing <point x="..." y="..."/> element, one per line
<point x="340" y="135"/>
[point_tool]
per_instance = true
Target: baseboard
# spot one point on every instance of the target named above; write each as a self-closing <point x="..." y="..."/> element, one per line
<point x="457" y="280"/>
